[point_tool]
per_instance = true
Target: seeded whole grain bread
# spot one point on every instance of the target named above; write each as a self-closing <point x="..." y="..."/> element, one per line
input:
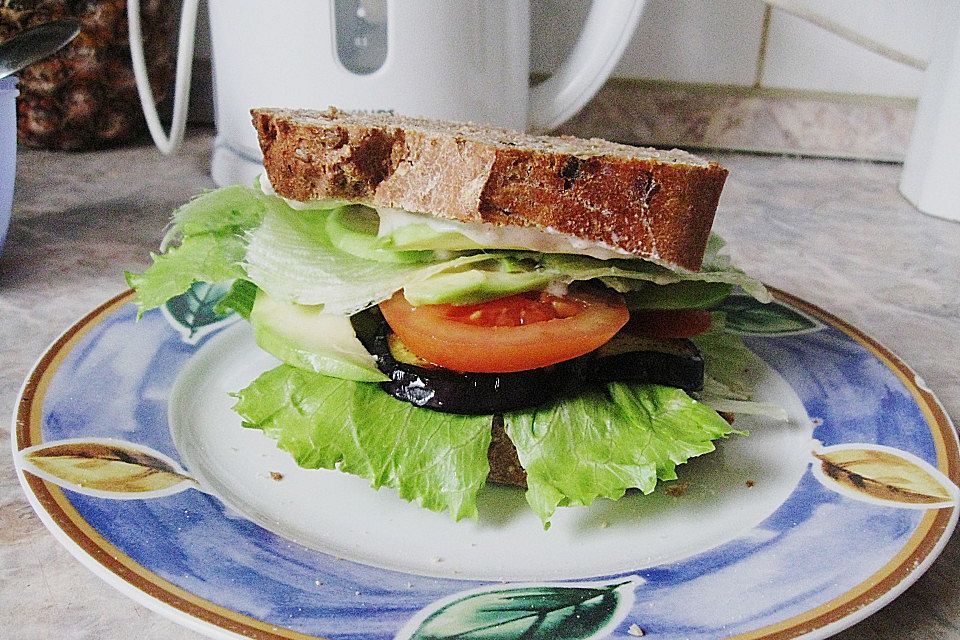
<point x="650" y="203"/>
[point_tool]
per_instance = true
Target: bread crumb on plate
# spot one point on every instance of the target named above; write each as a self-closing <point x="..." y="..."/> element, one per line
<point x="677" y="490"/>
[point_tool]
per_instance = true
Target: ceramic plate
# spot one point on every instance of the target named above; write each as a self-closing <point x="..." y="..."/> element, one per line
<point x="128" y="449"/>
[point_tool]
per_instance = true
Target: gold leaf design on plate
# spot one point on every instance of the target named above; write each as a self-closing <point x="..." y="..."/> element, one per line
<point x="111" y="467"/>
<point x="878" y="473"/>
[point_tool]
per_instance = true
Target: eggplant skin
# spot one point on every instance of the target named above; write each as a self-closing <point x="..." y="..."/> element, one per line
<point x="481" y="394"/>
<point x="460" y="392"/>
<point x="675" y="363"/>
<point x="669" y="369"/>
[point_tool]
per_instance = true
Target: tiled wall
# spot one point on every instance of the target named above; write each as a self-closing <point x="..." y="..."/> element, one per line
<point x="736" y="42"/>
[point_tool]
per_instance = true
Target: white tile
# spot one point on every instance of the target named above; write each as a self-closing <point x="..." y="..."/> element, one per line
<point x="803" y="56"/>
<point x="907" y="25"/>
<point x="677" y="40"/>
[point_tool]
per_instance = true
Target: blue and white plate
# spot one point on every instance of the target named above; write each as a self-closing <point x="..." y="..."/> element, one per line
<point x="128" y="449"/>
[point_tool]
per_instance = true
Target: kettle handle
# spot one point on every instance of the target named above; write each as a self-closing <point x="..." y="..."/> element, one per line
<point x="606" y="33"/>
<point x="181" y="91"/>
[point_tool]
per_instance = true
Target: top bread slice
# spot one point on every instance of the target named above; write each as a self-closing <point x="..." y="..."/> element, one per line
<point x="649" y="203"/>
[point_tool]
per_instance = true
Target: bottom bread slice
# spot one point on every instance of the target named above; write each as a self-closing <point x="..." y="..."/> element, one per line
<point x="505" y="466"/>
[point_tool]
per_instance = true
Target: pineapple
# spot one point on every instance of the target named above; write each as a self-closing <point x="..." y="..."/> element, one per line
<point x="85" y="96"/>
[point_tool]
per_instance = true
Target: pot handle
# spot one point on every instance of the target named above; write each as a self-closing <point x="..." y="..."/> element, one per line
<point x="606" y="33"/>
<point x="181" y="92"/>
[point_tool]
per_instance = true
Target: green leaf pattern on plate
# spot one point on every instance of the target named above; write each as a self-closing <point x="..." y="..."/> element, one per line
<point x="746" y="316"/>
<point x="532" y="612"/>
<point x="196" y="312"/>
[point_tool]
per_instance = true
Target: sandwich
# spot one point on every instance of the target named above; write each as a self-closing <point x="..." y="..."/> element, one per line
<point x="453" y="305"/>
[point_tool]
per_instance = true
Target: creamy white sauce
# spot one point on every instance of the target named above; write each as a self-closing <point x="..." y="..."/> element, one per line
<point x="490" y="236"/>
<point x="267" y="187"/>
<point x="546" y="240"/>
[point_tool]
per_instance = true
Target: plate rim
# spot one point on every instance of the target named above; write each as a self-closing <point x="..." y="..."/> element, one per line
<point x="134" y="580"/>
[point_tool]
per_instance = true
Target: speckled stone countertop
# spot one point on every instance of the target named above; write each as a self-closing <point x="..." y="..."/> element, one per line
<point x="836" y="233"/>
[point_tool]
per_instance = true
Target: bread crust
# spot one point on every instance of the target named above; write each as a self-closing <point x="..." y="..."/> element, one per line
<point x="653" y="204"/>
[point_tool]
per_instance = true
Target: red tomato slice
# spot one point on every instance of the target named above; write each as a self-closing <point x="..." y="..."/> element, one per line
<point x="516" y="333"/>
<point x="672" y="323"/>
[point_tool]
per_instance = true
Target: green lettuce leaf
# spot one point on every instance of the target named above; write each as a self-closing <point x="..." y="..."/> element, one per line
<point x="210" y="229"/>
<point x="290" y="256"/>
<point x="605" y="441"/>
<point x="239" y="298"/>
<point x="231" y="209"/>
<point x="730" y="369"/>
<point x="726" y="358"/>
<point x="626" y="275"/>
<point x="596" y="444"/>
<point x="239" y="232"/>
<point x="309" y="416"/>
<point x="209" y="257"/>
<point x="438" y="460"/>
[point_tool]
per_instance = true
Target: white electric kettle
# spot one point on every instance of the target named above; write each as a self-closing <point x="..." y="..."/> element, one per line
<point x="462" y="60"/>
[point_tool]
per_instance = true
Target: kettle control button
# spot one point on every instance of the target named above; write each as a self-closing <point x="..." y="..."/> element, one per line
<point x="361" y="34"/>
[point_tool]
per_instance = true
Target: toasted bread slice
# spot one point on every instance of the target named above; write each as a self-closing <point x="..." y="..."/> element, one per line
<point x="654" y="204"/>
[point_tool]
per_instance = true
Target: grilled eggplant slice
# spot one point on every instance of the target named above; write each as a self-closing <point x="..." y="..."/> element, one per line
<point x="426" y="385"/>
<point x="628" y="357"/>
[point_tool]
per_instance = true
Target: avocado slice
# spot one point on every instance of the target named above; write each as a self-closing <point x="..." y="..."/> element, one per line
<point x="308" y="338"/>
<point x="420" y="236"/>
<point x="473" y="286"/>
<point x="353" y="229"/>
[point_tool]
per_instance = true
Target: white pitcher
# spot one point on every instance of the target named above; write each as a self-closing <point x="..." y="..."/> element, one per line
<point x="454" y="59"/>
